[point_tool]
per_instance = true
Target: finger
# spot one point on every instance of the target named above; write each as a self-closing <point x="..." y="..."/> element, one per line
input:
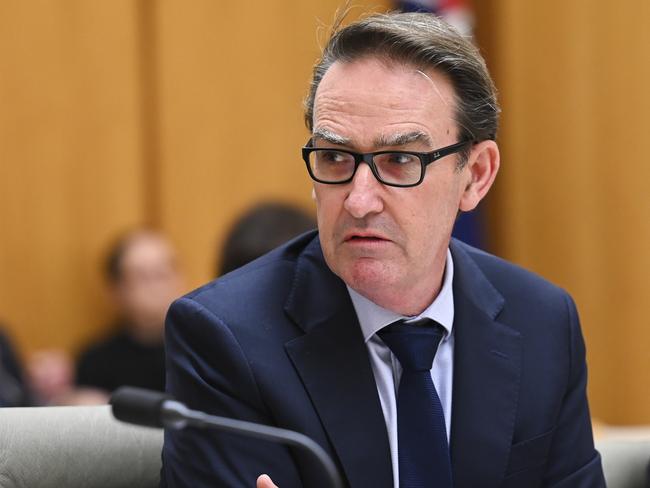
<point x="263" y="481"/>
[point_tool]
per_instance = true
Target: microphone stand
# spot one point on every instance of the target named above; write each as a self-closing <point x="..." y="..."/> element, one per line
<point x="142" y="407"/>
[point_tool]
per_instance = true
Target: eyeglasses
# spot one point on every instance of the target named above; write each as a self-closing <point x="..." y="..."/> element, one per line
<point x="392" y="168"/>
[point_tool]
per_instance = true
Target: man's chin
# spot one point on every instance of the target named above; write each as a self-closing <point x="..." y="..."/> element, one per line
<point x="360" y="269"/>
<point x="366" y="274"/>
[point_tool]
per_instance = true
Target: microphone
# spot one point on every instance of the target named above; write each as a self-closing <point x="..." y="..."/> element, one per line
<point x="155" y="409"/>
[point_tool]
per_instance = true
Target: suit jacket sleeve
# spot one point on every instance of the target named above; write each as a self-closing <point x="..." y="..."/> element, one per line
<point x="207" y="370"/>
<point x="573" y="460"/>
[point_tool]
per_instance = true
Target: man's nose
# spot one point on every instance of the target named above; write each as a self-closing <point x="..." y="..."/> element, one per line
<point x="364" y="197"/>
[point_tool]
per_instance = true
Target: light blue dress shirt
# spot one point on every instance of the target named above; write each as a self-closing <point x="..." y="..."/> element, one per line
<point x="386" y="367"/>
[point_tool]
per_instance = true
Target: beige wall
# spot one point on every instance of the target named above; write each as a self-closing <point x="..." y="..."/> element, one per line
<point x="183" y="114"/>
<point x="69" y="161"/>
<point x="572" y="201"/>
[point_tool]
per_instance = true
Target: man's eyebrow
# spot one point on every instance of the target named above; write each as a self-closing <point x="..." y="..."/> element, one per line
<point x="329" y="136"/>
<point x="402" y="139"/>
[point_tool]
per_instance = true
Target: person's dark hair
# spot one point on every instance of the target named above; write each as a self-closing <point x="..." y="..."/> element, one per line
<point x="259" y="230"/>
<point x="427" y="43"/>
<point x="117" y="250"/>
<point x="113" y="262"/>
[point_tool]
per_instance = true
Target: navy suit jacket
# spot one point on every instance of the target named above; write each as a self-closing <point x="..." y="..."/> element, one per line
<point x="278" y="342"/>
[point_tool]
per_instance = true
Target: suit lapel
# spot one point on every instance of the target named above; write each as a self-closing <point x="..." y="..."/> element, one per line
<point x="332" y="361"/>
<point x="487" y="362"/>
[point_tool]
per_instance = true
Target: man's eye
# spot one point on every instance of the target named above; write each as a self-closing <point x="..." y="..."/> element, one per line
<point x="332" y="156"/>
<point x="400" y="158"/>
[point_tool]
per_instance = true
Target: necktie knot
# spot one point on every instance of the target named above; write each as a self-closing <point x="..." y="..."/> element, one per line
<point x="414" y="343"/>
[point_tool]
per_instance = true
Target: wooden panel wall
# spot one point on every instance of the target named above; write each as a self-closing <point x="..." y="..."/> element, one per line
<point x="115" y="113"/>
<point x="135" y="111"/>
<point x="232" y="77"/>
<point x="572" y="200"/>
<point x="69" y="161"/>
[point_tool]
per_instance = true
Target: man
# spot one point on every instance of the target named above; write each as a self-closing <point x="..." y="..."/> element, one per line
<point x="143" y="279"/>
<point x="411" y="358"/>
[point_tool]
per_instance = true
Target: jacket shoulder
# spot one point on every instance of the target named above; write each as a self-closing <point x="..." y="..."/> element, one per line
<point x="509" y="279"/>
<point x="261" y="284"/>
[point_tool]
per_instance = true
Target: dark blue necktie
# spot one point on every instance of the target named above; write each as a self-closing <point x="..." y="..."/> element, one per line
<point x="422" y="445"/>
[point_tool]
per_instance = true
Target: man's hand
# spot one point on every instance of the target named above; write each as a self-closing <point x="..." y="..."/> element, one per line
<point x="265" y="482"/>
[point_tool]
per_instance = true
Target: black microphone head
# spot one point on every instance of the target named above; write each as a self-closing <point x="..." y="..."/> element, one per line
<point x="138" y="406"/>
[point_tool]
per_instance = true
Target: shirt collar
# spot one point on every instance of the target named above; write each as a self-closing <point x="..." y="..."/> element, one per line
<point x="373" y="318"/>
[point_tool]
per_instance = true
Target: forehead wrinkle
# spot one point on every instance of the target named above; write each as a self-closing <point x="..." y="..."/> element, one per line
<point x="401" y="139"/>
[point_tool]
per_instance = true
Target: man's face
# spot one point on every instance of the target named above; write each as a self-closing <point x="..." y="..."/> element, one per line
<point x="388" y="243"/>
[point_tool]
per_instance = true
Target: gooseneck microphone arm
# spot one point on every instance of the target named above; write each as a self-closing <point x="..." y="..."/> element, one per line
<point x="154" y="409"/>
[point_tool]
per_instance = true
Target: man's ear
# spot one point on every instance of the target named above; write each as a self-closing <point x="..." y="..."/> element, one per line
<point x="481" y="167"/>
<point x="313" y="193"/>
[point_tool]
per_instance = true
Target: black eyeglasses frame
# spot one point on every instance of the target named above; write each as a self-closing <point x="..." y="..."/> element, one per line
<point x="426" y="158"/>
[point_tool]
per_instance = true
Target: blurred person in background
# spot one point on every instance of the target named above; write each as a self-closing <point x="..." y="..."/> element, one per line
<point x="51" y="378"/>
<point x="261" y="229"/>
<point x="13" y="390"/>
<point x="143" y="279"/>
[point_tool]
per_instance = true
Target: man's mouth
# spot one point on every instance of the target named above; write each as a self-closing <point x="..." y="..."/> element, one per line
<point x="364" y="238"/>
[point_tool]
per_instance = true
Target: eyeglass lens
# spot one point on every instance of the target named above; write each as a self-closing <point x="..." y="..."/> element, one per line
<point x="335" y="166"/>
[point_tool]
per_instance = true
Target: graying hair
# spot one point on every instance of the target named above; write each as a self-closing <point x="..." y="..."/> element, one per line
<point x="427" y="43"/>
